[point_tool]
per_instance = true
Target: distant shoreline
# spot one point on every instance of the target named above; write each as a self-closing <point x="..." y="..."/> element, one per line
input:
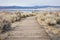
<point x="30" y="10"/>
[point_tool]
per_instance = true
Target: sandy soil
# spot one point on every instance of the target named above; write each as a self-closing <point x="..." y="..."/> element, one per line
<point x="27" y="29"/>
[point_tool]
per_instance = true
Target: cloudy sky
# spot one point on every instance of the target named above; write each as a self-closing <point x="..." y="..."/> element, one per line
<point x="29" y="2"/>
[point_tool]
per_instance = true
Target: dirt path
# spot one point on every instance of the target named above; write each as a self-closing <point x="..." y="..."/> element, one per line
<point x="28" y="29"/>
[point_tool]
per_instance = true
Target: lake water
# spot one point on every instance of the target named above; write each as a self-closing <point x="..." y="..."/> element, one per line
<point x="23" y="10"/>
<point x="28" y="10"/>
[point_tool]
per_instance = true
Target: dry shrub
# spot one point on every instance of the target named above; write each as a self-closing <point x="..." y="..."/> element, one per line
<point x="5" y="26"/>
<point x="1" y="25"/>
<point x="12" y="17"/>
<point x="18" y="16"/>
<point x="49" y="20"/>
<point x="23" y="16"/>
<point x="5" y="22"/>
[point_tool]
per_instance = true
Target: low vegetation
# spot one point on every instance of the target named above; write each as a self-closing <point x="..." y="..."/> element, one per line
<point x="7" y="18"/>
<point x="50" y="21"/>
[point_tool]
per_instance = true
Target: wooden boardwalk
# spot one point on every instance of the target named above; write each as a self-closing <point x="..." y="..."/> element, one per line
<point x="28" y="29"/>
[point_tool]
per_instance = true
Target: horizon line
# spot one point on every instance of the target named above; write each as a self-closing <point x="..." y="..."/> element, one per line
<point x="31" y="5"/>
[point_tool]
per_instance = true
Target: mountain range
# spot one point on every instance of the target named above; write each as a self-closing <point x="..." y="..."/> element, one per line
<point x="27" y="7"/>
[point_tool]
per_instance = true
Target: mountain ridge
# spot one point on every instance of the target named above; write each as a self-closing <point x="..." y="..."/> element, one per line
<point x="27" y="7"/>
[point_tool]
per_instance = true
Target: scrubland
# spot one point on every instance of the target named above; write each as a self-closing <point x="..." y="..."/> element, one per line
<point x="8" y="18"/>
<point x="50" y="21"/>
